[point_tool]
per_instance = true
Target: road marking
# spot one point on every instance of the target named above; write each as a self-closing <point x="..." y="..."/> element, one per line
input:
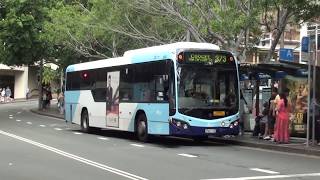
<point x="103" y="138"/>
<point x="41" y="125"/>
<point x="269" y="177"/>
<point x="10" y="117"/>
<point x="18" y="120"/>
<point x="137" y="145"/>
<point x="78" y="133"/>
<point x="29" y="122"/>
<point x="188" y="155"/>
<point x="19" y="112"/>
<point x="264" y="170"/>
<point x="75" y="157"/>
<point x="57" y="129"/>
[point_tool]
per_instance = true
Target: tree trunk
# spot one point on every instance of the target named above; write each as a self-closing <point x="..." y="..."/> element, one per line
<point x="280" y="29"/>
<point x="40" y="85"/>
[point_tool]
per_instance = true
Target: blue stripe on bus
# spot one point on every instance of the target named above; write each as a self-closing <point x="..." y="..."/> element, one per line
<point x="141" y="58"/>
<point x="71" y="98"/>
<point x="70" y="68"/>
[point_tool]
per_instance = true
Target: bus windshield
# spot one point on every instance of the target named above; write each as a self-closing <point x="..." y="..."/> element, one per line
<point x="207" y="86"/>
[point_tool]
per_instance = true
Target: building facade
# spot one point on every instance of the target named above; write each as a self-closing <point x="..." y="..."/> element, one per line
<point x="19" y="79"/>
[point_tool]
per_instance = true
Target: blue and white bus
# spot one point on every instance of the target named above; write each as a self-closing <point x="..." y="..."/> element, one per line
<point x="180" y="89"/>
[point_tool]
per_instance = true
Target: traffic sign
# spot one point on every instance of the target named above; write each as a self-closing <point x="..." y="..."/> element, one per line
<point x="286" y="54"/>
<point x="305" y="44"/>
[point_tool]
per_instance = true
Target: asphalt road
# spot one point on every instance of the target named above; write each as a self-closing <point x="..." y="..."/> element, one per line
<point x="38" y="147"/>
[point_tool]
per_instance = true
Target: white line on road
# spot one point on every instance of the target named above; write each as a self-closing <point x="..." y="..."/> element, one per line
<point x="58" y="129"/>
<point x="29" y="122"/>
<point x="269" y="177"/>
<point x="78" y="133"/>
<point x="18" y="120"/>
<point x="103" y="138"/>
<point x="41" y="125"/>
<point x="75" y="157"/>
<point x="188" y="155"/>
<point x="264" y="171"/>
<point x="137" y="145"/>
<point x="19" y="112"/>
<point x="10" y="117"/>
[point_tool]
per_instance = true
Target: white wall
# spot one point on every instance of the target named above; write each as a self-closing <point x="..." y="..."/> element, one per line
<point x="21" y="83"/>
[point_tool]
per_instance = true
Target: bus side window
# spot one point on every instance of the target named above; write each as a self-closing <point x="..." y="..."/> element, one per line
<point x="126" y="84"/>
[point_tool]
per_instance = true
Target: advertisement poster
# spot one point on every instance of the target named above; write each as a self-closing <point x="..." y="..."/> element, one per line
<point x="299" y="99"/>
<point x="112" y="99"/>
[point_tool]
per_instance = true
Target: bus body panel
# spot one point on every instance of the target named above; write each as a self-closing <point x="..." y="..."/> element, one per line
<point x="127" y="113"/>
<point x="158" y="116"/>
<point x="71" y="101"/>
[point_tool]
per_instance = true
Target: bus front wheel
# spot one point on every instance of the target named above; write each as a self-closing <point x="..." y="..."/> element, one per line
<point x="142" y="128"/>
<point x="85" y="122"/>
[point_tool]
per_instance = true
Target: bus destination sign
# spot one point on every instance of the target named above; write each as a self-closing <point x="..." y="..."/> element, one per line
<point x="207" y="58"/>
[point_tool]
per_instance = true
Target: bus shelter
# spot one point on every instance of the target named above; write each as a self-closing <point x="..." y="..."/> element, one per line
<point x="257" y="82"/>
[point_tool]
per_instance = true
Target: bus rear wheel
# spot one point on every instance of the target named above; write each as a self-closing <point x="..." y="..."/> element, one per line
<point x="142" y="128"/>
<point x="85" y="122"/>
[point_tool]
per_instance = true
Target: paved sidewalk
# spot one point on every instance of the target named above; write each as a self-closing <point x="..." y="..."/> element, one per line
<point x="296" y="145"/>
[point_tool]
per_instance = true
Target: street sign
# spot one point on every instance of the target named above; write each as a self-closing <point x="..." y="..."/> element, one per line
<point x="305" y="44"/>
<point x="286" y="54"/>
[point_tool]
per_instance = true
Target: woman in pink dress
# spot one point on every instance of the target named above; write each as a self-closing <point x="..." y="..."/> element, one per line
<point x="281" y="134"/>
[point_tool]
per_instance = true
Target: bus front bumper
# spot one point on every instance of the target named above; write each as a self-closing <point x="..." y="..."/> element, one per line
<point x="203" y="131"/>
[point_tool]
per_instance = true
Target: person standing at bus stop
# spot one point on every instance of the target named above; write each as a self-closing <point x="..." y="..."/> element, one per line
<point x="281" y="134"/>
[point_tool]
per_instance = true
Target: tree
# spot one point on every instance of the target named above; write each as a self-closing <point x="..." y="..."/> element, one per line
<point x="21" y="29"/>
<point x="296" y="11"/>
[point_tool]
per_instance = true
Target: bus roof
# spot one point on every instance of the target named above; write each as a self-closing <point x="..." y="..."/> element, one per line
<point x="143" y="55"/>
<point x="172" y="48"/>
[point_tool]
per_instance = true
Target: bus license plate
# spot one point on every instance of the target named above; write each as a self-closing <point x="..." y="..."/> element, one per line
<point x="210" y="131"/>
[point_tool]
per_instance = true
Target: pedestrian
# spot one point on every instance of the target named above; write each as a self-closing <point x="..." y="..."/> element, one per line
<point x="2" y="94"/>
<point x="271" y="115"/>
<point x="49" y="96"/>
<point x="8" y="94"/>
<point x="243" y="107"/>
<point x="44" y="98"/>
<point x="281" y="134"/>
<point x="27" y="93"/>
<point x="61" y="103"/>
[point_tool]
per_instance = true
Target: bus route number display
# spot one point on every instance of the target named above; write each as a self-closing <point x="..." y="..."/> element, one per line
<point x="207" y="58"/>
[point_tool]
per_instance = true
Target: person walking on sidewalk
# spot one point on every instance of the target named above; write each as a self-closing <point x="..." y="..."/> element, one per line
<point x="61" y="103"/>
<point x="8" y="94"/>
<point x="2" y="95"/>
<point x="281" y="134"/>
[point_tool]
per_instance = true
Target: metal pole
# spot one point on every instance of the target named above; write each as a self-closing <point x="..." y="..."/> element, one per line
<point x="309" y="94"/>
<point x="314" y="87"/>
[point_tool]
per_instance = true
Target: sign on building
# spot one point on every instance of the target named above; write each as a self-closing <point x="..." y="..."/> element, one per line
<point x="286" y="54"/>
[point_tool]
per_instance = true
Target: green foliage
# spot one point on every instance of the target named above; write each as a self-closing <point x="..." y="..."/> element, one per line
<point x="49" y="75"/>
<point x="71" y="31"/>
<point x="20" y="31"/>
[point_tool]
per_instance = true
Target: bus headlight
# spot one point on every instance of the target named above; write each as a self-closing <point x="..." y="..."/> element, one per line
<point x="223" y="123"/>
<point x="185" y="126"/>
<point x="179" y="124"/>
<point x="236" y="123"/>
